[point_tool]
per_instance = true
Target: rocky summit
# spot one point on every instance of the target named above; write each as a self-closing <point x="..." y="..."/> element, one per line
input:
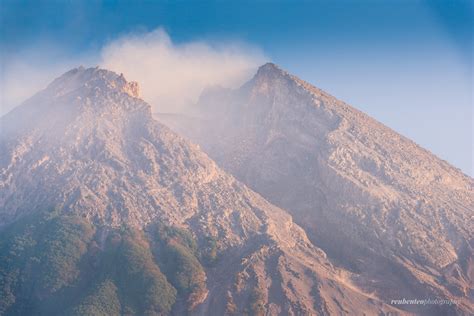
<point x="105" y="211"/>
<point x="394" y="215"/>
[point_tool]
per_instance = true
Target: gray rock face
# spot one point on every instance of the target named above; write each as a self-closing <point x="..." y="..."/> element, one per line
<point x="88" y="145"/>
<point x="379" y="205"/>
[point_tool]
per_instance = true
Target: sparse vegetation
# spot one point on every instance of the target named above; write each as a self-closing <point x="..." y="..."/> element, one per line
<point x="178" y="256"/>
<point x="143" y="288"/>
<point x="39" y="257"/>
<point x="230" y="308"/>
<point x="60" y="264"/>
<point x="209" y="251"/>
<point x="102" y="301"/>
<point x="257" y="302"/>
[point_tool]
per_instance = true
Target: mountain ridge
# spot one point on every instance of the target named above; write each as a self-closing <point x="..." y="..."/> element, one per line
<point x="376" y="202"/>
<point x="88" y="147"/>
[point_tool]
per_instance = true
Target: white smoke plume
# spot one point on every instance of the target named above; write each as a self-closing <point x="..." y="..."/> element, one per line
<point x="170" y="75"/>
<point x="173" y="75"/>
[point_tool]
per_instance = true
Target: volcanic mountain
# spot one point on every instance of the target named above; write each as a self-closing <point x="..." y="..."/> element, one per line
<point x="105" y="211"/>
<point x="396" y="216"/>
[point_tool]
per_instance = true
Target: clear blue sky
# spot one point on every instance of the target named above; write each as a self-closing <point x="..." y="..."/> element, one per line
<point x="407" y="63"/>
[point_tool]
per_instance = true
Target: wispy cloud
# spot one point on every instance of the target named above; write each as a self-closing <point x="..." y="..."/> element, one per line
<point x="31" y="69"/>
<point x="172" y="75"/>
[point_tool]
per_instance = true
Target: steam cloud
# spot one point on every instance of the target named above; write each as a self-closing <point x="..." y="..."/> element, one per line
<point x="173" y="75"/>
<point x="170" y="75"/>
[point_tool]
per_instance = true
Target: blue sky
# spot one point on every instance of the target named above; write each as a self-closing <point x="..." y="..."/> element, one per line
<point x="407" y="63"/>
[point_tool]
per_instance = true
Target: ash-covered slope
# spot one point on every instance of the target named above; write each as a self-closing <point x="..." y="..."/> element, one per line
<point x="88" y="147"/>
<point x="377" y="203"/>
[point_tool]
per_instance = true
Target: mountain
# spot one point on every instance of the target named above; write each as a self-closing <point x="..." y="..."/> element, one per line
<point x="392" y="213"/>
<point x="105" y="211"/>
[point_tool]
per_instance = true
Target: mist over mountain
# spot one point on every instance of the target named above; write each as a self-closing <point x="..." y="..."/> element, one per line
<point x="396" y="216"/>
<point x="106" y="211"/>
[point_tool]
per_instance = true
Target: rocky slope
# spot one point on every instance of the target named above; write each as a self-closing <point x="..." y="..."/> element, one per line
<point x="378" y="204"/>
<point x="88" y="147"/>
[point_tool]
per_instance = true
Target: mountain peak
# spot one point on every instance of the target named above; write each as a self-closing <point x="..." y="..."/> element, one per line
<point x="93" y="77"/>
<point x="89" y="94"/>
<point x="96" y="155"/>
<point x="358" y="188"/>
<point x="270" y="70"/>
<point x="269" y="66"/>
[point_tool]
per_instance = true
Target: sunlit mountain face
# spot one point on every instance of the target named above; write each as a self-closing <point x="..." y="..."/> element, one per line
<point x="106" y="211"/>
<point x="236" y="158"/>
<point x="379" y="205"/>
<point x="277" y="199"/>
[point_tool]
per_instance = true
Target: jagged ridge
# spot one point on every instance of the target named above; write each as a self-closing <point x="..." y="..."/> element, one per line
<point x="89" y="147"/>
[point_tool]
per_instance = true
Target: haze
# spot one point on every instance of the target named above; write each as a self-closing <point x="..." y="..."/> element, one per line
<point x="408" y="65"/>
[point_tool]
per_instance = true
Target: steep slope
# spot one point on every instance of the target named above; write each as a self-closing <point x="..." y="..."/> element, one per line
<point x="143" y="221"/>
<point x="377" y="203"/>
